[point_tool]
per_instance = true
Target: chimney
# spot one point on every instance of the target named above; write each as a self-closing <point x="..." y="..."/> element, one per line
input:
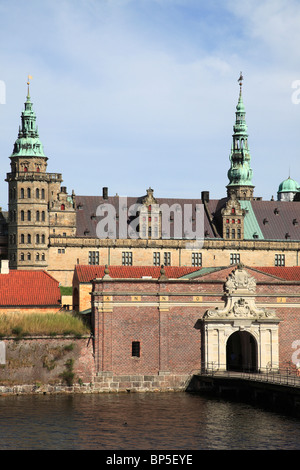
<point x="205" y="196"/>
<point x="4" y="269"/>
<point x="105" y="193"/>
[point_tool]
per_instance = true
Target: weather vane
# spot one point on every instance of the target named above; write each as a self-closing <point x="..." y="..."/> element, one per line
<point x="240" y="80"/>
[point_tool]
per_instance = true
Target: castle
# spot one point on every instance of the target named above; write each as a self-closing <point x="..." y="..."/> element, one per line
<point x="49" y="229"/>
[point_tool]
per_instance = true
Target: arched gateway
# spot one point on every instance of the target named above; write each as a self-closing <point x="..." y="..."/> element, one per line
<point x="240" y="335"/>
<point x="241" y="352"/>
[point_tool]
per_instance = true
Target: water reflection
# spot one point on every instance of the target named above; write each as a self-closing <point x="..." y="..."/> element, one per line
<point x="162" y="421"/>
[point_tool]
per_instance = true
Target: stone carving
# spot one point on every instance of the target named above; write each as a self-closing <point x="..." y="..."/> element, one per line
<point x="240" y="279"/>
<point x="240" y="299"/>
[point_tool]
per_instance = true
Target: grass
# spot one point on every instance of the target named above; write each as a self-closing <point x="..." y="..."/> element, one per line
<point x="48" y="324"/>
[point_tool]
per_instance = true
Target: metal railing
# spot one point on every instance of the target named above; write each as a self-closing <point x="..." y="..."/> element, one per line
<point x="276" y="375"/>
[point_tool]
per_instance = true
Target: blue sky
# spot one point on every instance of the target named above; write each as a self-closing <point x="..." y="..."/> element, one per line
<point x="137" y="93"/>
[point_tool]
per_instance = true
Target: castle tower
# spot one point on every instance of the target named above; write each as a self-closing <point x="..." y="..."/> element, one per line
<point x="31" y="192"/>
<point x="240" y="172"/>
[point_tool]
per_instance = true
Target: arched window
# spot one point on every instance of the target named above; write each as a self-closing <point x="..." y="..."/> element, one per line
<point x="22" y="193"/>
<point x="37" y="239"/>
<point x="22" y="216"/>
<point x="28" y="238"/>
<point x="43" y="238"/>
<point x="28" y="256"/>
<point x="43" y="256"/>
<point x="37" y="257"/>
<point x="43" y="194"/>
<point x="22" y="238"/>
<point x="43" y="216"/>
<point x="22" y="257"/>
<point x="29" y="216"/>
<point x="28" y="192"/>
<point x="37" y="216"/>
<point x="37" y="193"/>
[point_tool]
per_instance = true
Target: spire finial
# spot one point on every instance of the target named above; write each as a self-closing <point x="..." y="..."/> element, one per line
<point x="28" y="83"/>
<point x="240" y="80"/>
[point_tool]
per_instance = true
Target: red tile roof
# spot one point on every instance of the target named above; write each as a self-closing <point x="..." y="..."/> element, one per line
<point x="289" y="273"/>
<point x="29" y="288"/>
<point x="85" y="273"/>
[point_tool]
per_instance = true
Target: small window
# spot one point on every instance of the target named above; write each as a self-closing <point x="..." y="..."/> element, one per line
<point x="127" y="258"/>
<point x="136" y="349"/>
<point x="28" y="193"/>
<point x="167" y="258"/>
<point x="196" y="259"/>
<point x="234" y="258"/>
<point x="94" y="257"/>
<point x="156" y="258"/>
<point x="279" y="260"/>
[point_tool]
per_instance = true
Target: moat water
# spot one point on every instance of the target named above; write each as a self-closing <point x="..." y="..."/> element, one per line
<point x="150" y="421"/>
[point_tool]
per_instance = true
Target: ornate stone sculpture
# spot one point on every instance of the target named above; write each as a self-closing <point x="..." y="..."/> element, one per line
<point x="240" y="299"/>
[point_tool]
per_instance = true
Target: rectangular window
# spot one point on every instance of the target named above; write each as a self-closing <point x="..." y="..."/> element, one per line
<point x="167" y="258"/>
<point x="196" y="259"/>
<point x="156" y="259"/>
<point x="279" y="260"/>
<point x="93" y="257"/>
<point x="127" y="258"/>
<point x="234" y="258"/>
<point x="136" y="349"/>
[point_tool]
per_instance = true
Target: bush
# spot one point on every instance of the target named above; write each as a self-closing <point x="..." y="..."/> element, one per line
<point x="48" y="324"/>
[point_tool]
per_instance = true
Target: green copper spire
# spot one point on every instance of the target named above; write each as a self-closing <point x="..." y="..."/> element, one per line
<point x="28" y="143"/>
<point x="240" y="172"/>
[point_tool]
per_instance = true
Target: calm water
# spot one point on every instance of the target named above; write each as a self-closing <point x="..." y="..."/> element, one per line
<point x="151" y="421"/>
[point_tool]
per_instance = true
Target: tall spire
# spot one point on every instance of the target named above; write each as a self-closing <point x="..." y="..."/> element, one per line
<point x="28" y="143"/>
<point x="240" y="172"/>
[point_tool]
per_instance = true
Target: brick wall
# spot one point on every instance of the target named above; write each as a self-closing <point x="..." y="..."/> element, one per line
<point x="169" y="331"/>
